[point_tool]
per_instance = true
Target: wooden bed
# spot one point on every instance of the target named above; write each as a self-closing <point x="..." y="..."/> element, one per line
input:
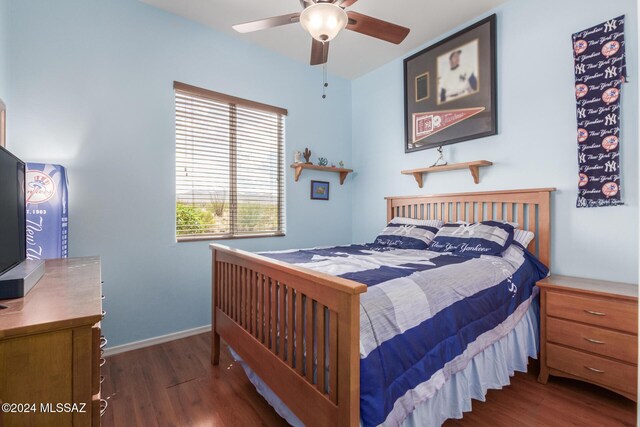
<point x="259" y="306"/>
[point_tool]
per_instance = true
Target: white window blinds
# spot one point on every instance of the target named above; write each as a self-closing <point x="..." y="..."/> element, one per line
<point x="229" y="166"/>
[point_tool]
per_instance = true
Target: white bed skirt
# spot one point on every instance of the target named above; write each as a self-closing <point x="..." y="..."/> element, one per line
<point x="490" y="369"/>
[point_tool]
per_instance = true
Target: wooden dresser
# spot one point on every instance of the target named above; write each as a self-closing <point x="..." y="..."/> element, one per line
<point x="50" y="348"/>
<point x="589" y="331"/>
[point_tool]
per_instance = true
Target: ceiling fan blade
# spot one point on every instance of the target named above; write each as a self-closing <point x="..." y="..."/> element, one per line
<point x="377" y="28"/>
<point x="345" y="3"/>
<point x="262" y="24"/>
<point x="319" y="52"/>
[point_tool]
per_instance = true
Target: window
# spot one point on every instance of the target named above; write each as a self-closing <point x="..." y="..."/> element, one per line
<point x="229" y="166"/>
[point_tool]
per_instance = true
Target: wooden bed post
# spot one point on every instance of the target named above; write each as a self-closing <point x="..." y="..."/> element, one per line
<point x="389" y="210"/>
<point x="215" y="336"/>
<point x="349" y="362"/>
<point x="544" y="228"/>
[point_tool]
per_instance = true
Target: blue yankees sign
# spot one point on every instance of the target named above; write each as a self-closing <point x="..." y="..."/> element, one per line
<point x="600" y="71"/>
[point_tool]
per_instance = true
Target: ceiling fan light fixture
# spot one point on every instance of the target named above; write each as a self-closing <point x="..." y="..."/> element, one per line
<point x="323" y="21"/>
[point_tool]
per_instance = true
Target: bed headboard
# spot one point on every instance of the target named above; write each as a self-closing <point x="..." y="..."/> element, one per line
<point x="529" y="207"/>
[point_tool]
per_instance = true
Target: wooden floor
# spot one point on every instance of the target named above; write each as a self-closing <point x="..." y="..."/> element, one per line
<point x="174" y="384"/>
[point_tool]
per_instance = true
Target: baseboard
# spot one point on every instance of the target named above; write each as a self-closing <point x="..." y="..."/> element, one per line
<point x="110" y="351"/>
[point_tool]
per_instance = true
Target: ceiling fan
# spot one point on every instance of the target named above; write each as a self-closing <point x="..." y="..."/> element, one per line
<point x="324" y="19"/>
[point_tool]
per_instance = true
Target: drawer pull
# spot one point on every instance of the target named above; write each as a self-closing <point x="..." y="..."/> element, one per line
<point x="594" y="370"/>
<point x="595" y="313"/>
<point x="101" y="379"/>
<point x="594" y="341"/>
<point x="103" y="406"/>
<point x="103" y="341"/>
<point x="104" y="313"/>
<point x="102" y="361"/>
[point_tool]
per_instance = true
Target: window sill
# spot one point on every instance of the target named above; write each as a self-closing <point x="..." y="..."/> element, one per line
<point x="181" y="239"/>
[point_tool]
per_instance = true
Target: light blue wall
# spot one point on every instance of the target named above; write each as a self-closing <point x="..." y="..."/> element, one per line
<point x="3" y="50"/>
<point x="536" y="144"/>
<point x="91" y="89"/>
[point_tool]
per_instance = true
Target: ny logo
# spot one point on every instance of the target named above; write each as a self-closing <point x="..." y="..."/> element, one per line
<point x="610" y="25"/>
<point x="580" y="68"/>
<point x="404" y="230"/>
<point x="582" y="158"/>
<point x="466" y="229"/>
<point x="610" y="166"/>
<point x="582" y="113"/>
<point x="610" y="72"/>
<point x="582" y="202"/>
<point x="610" y="119"/>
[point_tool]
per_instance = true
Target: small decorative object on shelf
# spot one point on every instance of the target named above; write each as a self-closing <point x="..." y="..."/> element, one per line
<point x="322" y="161"/>
<point x="440" y="161"/>
<point x="297" y="157"/>
<point x="333" y="165"/>
<point x="341" y="163"/>
<point x="307" y="156"/>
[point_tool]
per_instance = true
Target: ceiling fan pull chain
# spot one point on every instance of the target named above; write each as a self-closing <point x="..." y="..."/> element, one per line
<point x="324" y="80"/>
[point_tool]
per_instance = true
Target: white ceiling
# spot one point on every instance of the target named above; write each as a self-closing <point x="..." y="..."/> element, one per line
<point x="351" y="54"/>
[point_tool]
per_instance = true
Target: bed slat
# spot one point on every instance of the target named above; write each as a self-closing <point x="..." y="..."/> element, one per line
<point x="309" y="340"/>
<point x="282" y="305"/>
<point x="520" y="208"/>
<point x="299" y="334"/>
<point x="532" y="226"/>
<point x="290" y="324"/>
<point x="320" y="337"/>
<point x="273" y="320"/>
<point x="333" y="356"/>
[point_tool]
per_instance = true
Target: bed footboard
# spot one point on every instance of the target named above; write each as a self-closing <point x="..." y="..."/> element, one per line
<point x="299" y="330"/>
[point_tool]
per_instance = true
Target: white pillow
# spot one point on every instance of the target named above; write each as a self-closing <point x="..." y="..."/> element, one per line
<point x="514" y="253"/>
<point x="523" y="237"/>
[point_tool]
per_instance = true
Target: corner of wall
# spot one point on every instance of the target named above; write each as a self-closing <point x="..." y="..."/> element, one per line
<point x="4" y="21"/>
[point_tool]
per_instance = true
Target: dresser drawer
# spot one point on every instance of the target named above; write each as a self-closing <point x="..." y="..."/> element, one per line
<point x="617" y="345"/>
<point x="594" y="369"/>
<point x="621" y="315"/>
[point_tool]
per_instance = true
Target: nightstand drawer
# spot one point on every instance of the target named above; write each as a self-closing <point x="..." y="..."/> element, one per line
<point x="595" y="369"/>
<point x="619" y="315"/>
<point x="617" y="345"/>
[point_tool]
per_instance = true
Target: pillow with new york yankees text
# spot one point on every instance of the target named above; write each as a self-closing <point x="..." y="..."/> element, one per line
<point x="478" y="238"/>
<point x="407" y="233"/>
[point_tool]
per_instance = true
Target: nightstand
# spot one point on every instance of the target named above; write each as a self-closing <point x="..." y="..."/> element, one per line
<point x="589" y="332"/>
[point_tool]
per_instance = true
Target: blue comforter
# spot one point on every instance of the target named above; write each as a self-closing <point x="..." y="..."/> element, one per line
<point x="424" y="316"/>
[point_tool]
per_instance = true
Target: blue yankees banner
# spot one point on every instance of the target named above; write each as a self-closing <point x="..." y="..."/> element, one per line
<point x="600" y="71"/>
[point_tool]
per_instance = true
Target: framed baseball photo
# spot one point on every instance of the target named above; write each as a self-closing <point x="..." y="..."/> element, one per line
<point x="450" y="89"/>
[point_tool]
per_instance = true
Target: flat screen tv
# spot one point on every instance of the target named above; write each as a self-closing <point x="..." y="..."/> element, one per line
<point x="12" y="211"/>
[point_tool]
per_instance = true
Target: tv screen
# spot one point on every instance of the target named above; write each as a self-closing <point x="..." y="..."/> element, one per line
<point x="12" y="211"/>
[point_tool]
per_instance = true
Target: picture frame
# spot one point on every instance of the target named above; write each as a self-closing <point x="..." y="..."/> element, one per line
<point x="450" y="92"/>
<point x="319" y="190"/>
